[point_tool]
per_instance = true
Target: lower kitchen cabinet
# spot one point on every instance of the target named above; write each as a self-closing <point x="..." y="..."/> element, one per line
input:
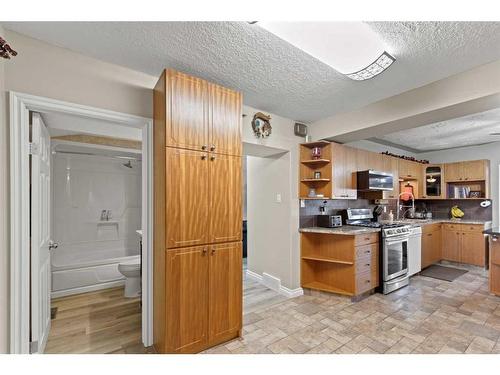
<point x="341" y="264"/>
<point x="464" y="243"/>
<point x="203" y="297"/>
<point x="431" y="244"/>
<point x="451" y="245"/>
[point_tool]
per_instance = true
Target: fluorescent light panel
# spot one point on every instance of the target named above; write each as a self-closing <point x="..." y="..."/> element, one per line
<point x="351" y="48"/>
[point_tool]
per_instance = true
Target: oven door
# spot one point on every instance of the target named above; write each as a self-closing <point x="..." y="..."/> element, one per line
<point x="395" y="257"/>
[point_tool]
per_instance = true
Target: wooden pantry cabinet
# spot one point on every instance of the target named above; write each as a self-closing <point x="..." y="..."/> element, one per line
<point x="202" y="115"/>
<point x="197" y="289"/>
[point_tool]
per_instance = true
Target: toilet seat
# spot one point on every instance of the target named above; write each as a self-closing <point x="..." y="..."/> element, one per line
<point x="130" y="266"/>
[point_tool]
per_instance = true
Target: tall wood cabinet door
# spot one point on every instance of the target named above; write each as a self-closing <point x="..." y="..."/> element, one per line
<point x="187" y="299"/>
<point x="225" y="207"/>
<point x="453" y="171"/>
<point x="187" y="111"/>
<point x="225" y="291"/>
<point x="473" y="249"/>
<point x="339" y="172"/>
<point x="474" y="170"/>
<point x="451" y="245"/>
<point x="186" y="197"/>
<point x="391" y="166"/>
<point x="350" y="173"/>
<point x="225" y="121"/>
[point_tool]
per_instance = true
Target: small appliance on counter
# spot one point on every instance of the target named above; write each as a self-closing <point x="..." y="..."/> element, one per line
<point x="329" y="221"/>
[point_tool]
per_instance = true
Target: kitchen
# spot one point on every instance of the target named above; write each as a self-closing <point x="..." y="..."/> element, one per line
<point x="393" y="216"/>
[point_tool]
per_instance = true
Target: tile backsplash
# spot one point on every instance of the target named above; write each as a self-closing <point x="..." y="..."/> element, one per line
<point x="440" y="208"/>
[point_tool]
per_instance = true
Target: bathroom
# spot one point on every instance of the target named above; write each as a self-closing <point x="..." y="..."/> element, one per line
<point x="96" y="218"/>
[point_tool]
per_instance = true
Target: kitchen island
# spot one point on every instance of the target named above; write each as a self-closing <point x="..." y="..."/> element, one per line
<point x="343" y="260"/>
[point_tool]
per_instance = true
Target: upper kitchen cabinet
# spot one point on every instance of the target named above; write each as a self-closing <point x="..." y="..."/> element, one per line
<point x="391" y="165"/>
<point x="187" y="109"/>
<point x="409" y="170"/>
<point x="344" y="172"/>
<point x="467" y="179"/>
<point x="202" y="116"/>
<point x="474" y="170"/>
<point x="432" y="181"/>
<point x="225" y="120"/>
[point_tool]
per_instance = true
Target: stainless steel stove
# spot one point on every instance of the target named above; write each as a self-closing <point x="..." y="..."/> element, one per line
<point x="394" y="248"/>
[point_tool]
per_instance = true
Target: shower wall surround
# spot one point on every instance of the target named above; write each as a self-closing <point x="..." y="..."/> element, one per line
<point x="90" y="248"/>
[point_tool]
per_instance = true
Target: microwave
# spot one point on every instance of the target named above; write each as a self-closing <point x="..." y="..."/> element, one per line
<point x="371" y="180"/>
<point x="328" y="221"/>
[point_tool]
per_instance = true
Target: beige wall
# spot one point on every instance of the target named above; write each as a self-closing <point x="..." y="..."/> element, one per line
<point x="46" y="70"/>
<point x="273" y="238"/>
<point x="4" y="165"/>
<point x="416" y="107"/>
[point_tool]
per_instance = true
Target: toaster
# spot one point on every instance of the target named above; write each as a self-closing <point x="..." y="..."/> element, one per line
<point x="329" y="221"/>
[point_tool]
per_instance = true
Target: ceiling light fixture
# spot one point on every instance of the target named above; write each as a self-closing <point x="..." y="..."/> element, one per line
<point x="351" y="48"/>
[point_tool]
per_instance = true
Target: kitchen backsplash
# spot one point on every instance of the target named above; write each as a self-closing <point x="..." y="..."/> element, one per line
<point x="440" y="208"/>
<point x="333" y="207"/>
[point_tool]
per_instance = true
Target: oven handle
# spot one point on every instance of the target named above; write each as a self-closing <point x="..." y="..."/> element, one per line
<point x="396" y="239"/>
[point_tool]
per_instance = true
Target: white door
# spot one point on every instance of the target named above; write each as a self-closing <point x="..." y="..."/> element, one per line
<point x="40" y="234"/>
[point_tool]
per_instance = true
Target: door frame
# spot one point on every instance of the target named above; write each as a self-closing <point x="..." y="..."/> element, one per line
<point x="20" y="105"/>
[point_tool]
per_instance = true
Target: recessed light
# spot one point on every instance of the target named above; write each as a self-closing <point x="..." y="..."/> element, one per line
<point x="351" y="48"/>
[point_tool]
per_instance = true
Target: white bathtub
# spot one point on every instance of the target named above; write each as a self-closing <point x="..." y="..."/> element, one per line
<point x="76" y="272"/>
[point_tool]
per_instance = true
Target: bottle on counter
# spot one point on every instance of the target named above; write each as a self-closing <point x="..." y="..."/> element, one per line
<point x="390" y="217"/>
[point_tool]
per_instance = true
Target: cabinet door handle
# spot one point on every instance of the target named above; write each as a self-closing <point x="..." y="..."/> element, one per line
<point x="204" y="251"/>
<point x="204" y="147"/>
<point x="212" y="147"/>
<point x="213" y="251"/>
<point x="203" y="157"/>
<point x="367" y="264"/>
<point x="494" y="238"/>
<point x="212" y="158"/>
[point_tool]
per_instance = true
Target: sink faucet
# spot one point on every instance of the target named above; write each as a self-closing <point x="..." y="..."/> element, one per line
<point x="412" y="205"/>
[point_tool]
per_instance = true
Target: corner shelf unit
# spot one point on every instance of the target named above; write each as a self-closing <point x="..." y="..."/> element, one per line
<point x="309" y="166"/>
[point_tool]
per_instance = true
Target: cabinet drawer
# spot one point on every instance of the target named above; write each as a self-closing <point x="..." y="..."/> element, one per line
<point x="495" y="250"/>
<point x="366" y="281"/>
<point x="452" y="227"/>
<point x="367" y="251"/>
<point x="428" y="228"/>
<point x="365" y="239"/>
<point x="366" y="264"/>
<point x="472" y="227"/>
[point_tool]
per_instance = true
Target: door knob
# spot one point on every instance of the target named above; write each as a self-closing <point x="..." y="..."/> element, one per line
<point x="53" y="245"/>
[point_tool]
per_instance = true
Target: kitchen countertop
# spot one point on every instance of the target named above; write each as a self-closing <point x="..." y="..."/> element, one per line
<point x="421" y="222"/>
<point x="495" y="231"/>
<point x="347" y="230"/>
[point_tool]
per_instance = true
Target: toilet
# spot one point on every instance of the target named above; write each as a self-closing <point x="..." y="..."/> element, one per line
<point x="132" y="272"/>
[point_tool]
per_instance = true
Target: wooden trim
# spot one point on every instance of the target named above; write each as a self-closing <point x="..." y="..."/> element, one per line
<point x="100" y="140"/>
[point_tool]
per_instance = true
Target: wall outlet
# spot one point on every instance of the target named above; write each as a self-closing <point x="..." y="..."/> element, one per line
<point x="278" y="198"/>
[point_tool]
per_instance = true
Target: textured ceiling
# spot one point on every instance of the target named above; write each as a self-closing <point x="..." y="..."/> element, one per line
<point x="272" y="74"/>
<point x="464" y="131"/>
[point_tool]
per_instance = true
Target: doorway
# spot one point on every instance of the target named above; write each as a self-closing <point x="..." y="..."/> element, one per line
<point x="98" y="249"/>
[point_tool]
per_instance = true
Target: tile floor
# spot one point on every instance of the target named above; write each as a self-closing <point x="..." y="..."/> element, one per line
<point x="429" y="316"/>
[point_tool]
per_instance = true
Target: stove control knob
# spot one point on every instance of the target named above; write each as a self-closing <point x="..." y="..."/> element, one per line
<point x="398" y="230"/>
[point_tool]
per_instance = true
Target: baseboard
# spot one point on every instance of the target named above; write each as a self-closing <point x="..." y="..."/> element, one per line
<point x="86" y="289"/>
<point x="274" y="283"/>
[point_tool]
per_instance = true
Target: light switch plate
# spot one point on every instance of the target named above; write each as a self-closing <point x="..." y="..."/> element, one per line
<point x="302" y="203"/>
<point x="278" y="198"/>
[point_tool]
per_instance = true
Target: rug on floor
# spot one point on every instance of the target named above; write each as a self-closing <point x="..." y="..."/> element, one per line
<point x="442" y="273"/>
